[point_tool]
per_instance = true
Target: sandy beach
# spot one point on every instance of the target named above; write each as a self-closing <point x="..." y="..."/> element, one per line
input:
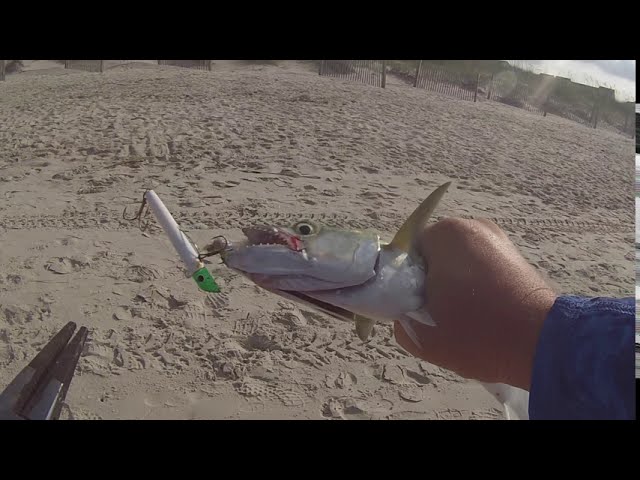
<point x="269" y="144"/>
<point x="637" y="192"/>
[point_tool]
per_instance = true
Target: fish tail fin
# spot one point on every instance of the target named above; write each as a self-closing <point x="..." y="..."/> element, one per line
<point x="515" y="401"/>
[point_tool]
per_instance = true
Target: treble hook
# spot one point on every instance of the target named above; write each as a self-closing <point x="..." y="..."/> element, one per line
<point x="218" y="244"/>
<point x="138" y="215"/>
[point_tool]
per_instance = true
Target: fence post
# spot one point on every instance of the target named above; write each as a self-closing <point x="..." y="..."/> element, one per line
<point x="490" y="87"/>
<point x="2" y="63"/>
<point x="415" y="82"/>
<point x="209" y="65"/>
<point x="626" y="122"/>
<point x="321" y="68"/>
<point x="475" y="95"/>
<point x="596" y="111"/>
<point x="592" y="115"/>
<point x="384" y="73"/>
<point x="101" y="66"/>
<point x="66" y="64"/>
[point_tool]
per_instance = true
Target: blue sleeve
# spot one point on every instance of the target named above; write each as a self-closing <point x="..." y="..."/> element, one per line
<point x="584" y="362"/>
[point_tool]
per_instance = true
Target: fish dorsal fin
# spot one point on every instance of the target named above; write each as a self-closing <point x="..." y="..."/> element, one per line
<point x="364" y="326"/>
<point x="403" y="239"/>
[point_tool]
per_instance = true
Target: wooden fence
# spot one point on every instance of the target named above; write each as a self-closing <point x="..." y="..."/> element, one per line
<point x="405" y="71"/>
<point x="536" y="94"/>
<point x="86" y="65"/>
<point x="197" y="64"/>
<point x="516" y="94"/>
<point x="637" y="125"/>
<point x="584" y="114"/>
<point x="611" y="117"/>
<point x="447" y="82"/>
<point x="108" y="64"/>
<point x="587" y="106"/>
<point x="370" y="72"/>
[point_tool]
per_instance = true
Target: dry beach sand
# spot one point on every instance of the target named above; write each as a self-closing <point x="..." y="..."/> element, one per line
<point x="269" y="143"/>
<point x="637" y="192"/>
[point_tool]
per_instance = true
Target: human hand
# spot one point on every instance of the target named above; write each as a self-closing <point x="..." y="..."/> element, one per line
<point x="489" y="304"/>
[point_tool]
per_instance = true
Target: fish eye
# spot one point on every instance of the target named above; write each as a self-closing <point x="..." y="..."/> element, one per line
<point x="304" y="228"/>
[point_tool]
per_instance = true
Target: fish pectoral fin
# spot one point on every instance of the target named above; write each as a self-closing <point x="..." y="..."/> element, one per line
<point x="364" y="327"/>
<point x="403" y="240"/>
<point x="422" y="316"/>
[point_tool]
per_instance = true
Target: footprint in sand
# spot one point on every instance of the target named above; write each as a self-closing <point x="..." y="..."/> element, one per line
<point x="347" y="408"/>
<point x="64" y="265"/>
<point x="262" y="342"/>
<point x="412" y="394"/>
<point x="22" y="314"/>
<point x="122" y="313"/>
<point x="341" y="380"/>
<point x="227" y="184"/>
<point x="416" y="376"/>
<point x="218" y="301"/>
<point x="129" y="360"/>
<point x="262" y="391"/>
<point x="96" y="359"/>
<point x="142" y="273"/>
<point x="7" y="352"/>
<point x="13" y="279"/>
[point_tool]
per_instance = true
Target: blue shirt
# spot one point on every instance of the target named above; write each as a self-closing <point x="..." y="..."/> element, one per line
<point x="584" y="365"/>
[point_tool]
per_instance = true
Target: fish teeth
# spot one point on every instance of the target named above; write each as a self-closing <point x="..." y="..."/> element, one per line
<point x="263" y="235"/>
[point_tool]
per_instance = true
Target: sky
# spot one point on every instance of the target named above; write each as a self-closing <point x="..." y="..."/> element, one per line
<point x="617" y="74"/>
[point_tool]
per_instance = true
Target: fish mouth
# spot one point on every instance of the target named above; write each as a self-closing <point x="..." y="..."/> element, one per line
<point x="263" y="235"/>
<point x="331" y="310"/>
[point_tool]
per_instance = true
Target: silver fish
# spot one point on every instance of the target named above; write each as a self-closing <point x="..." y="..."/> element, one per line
<point x="351" y="275"/>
